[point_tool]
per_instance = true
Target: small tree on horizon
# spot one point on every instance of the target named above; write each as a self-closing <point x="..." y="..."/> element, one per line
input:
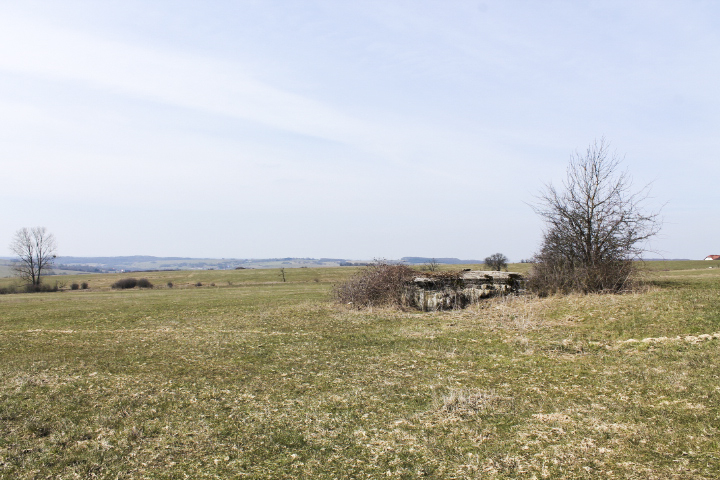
<point x="431" y="265"/>
<point x="496" y="261"/>
<point x="36" y="251"/>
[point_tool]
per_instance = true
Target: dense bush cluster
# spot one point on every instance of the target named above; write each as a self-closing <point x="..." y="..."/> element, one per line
<point x="132" y="283"/>
<point x="556" y="274"/>
<point x="43" y="287"/>
<point x="378" y="284"/>
<point x="125" y="283"/>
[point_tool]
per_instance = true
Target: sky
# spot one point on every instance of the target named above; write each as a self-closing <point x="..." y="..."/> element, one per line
<point x="347" y="129"/>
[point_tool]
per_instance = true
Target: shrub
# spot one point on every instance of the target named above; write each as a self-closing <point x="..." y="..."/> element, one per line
<point x="198" y="284"/>
<point x="74" y="286"/>
<point x="125" y="283"/>
<point x="169" y="284"/>
<point x="42" y="288"/>
<point x="84" y="285"/>
<point x="551" y="275"/>
<point x="144" y="283"/>
<point x="378" y="284"/>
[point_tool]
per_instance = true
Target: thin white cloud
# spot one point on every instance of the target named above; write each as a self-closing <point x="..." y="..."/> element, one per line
<point x="174" y="78"/>
<point x="220" y="87"/>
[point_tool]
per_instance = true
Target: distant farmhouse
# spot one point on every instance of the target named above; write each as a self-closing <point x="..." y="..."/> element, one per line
<point x="712" y="257"/>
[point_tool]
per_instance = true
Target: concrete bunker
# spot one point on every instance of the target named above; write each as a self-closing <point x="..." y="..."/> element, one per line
<point x="453" y="290"/>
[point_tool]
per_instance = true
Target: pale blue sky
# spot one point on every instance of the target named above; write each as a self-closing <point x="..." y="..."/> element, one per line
<point x="347" y="129"/>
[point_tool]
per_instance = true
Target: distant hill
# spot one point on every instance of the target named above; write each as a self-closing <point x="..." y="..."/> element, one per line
<point x="5" y="269"/>
<point x="135" y="263"/>
<point x="147" y="262"/>
<point x="116" y="260"/>
<point x="666" y="259"/>
<point x="449" y="261"/>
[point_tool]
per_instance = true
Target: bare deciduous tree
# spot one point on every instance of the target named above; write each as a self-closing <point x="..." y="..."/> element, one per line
<point x="595" y="226"/>
<point x="36" y="251"/>
<point x="496" y="261"/>
<point x="431" y="265"/>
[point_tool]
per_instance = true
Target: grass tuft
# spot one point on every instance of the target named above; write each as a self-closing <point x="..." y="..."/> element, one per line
<point x="469" y="402"/>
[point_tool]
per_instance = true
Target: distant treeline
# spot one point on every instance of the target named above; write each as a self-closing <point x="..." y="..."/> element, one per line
<point x="449" y="261"/>
<point x="117" y="260"/>
<point x="83" y="268"/>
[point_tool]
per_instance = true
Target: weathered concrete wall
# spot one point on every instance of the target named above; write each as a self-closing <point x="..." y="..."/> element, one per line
<point x="450" y="291"/>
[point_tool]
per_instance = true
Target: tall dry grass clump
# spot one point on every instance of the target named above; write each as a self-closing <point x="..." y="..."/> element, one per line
<point x="378" y="284"/>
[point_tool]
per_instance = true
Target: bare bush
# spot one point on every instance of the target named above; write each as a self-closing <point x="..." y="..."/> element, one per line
<point x="431" y="265"/>
<point x="43" y="288"/>
<point x="595" y="227"/>
<point x="8" y="290"/>
<point x="559" y="275"/>
<point x="378" y="284"/>
<point x="125" y="283"/>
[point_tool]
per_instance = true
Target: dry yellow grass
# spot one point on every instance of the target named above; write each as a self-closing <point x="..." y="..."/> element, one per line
<point x="255" y="378"/>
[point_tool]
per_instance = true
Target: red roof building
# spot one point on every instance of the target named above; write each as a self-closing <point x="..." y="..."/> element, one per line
<point x="712" y="257"/>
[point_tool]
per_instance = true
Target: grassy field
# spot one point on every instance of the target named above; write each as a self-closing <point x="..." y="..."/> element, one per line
<point x="253" y="377"/>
